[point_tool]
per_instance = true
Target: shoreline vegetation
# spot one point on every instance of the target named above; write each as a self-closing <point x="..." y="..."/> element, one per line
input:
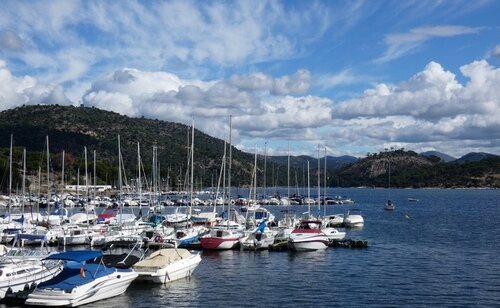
<point x="71" y="128"/>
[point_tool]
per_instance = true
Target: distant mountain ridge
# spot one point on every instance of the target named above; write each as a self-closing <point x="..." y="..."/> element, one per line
<point x="71" y="128"/>
<point x="474" y="156"/>
<point x="444" y="157"/>
<point x="409" y="169"/>
<point x="332" y="162"/>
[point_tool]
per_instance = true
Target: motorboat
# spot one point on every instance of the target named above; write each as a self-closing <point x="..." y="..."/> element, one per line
<point x="334" y="220"/>
<point x="83" y="217"/>
<point x="353" y="219"/>
<point x="22" y="277"/>
<point x="308" y="236"/>
<point x="333" y="234"/>
<point x="225" y="235"/>
<point x="84" y="279"/>
<point x="207" y="219"/>
<point x="167" y="265"/>
<point x="22" y="269"/>
<point x="75" y="235"/>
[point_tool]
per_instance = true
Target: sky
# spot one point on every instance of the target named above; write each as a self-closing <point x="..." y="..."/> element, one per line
<point x="353" y="77"/>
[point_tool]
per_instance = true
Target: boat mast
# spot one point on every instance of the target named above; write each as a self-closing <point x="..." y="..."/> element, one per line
<point x="153" y="177"/>
<point x="120" y="178"/>
<point x="324" y="190"/>
<point x="10" y="174"/>
<point x="39" y="186"/>
<point x="224" y="161"/>
<point x="139" y="184"/>
<point x="24" y="179"/>
<point x="78" y="184"/>
<point x="229" y="173"/>
<point x="288" y="172"/>
<point x="48" y="176"/>
<point x="308" y="191"/>
<point x="221" y="177"/>
<point x="319" y="183"/>
<point x="255" y="178"/>
<point x="265" y="171"/>
<point x="62" y="176"/>
<point x="86" y="177"/>
<point x="389" y="179"/>
<point x="192" y="171"/>
<point x="95" y="175"/>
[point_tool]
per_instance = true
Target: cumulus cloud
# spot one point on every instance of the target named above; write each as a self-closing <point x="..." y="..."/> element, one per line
<point x="16" y="91"/>
<point x="261" y="105"/>
<point x="496" y="52"/>
<point x="297" y="83"/>
<point x="399" y="44"/>
<point x="432" y="106"/>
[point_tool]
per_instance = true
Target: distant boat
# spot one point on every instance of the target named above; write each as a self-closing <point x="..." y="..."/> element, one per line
<point x="389" y="205"/>
<point x="412" y="200"/>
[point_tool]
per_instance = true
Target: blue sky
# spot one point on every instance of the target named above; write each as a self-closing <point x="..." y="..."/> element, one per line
<point x="354" y="76"/>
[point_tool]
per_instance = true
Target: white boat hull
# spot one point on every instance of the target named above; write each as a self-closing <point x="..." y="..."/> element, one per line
<point x="334" y="234"/>
<point x="101" y="288"/>
<point x="306" y="242"/>
<point x="27" y="283"/>
<point x="180" y="269"/>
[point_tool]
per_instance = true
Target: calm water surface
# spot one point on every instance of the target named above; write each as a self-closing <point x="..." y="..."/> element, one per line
<point x="442" y="250"/>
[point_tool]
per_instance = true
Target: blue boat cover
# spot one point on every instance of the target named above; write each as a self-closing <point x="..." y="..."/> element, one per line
<point x="31" y="237"/>
<point x="77" y="256"/>
<point x="74" y="275"/>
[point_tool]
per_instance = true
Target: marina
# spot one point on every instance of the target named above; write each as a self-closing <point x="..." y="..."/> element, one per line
<point x="249" y="153"/>
<point x="405" y="244"/>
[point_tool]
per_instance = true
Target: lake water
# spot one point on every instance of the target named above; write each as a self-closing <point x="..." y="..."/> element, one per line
<point x="440" y="251"/>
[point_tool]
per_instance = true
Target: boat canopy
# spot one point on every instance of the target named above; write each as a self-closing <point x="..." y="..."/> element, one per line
<point x="30" y="237"/>
<point x="77" y="256"/>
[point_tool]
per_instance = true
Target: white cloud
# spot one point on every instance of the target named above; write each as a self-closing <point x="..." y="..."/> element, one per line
<point x="345" y="77"/>
<point x="297" y="83"/>
<point x="496" y="52"/>
<point x="261" y="105"/>
<point x="157" y="35"/>
<point x="15" y="91"/>
<point x="399" y="44"/>
<point x="431" y="107"/>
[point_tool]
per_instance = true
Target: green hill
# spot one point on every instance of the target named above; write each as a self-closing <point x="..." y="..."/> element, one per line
<point x="408" y="169"/>
<point x="71" y="128"/>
